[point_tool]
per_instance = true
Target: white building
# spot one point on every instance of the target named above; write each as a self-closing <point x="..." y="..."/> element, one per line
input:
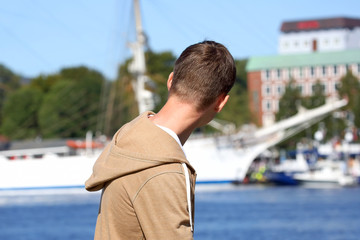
<point x="332" y="34"/>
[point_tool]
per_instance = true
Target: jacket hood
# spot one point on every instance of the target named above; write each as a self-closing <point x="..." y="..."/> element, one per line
<point x="137" y="146"/>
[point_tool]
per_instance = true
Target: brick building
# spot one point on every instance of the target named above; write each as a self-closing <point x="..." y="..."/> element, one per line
<point x="309" y="51"/>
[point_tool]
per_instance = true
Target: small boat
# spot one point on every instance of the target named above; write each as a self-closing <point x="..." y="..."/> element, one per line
<point x="326" y="172"/>
<point x="78" y="144"/>
<point x="283" y="173"/>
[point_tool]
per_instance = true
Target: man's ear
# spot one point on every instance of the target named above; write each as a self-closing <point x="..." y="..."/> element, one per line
<point x="220" y="102"/>
<point x="169" y="81"/>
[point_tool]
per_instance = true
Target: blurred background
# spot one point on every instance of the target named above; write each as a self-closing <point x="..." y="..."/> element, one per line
<point x="86" y="44"/>
<point x="67" y="73"/>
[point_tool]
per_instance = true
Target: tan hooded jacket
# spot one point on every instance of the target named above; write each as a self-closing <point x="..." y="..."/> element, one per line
<point x="144" y="190"/>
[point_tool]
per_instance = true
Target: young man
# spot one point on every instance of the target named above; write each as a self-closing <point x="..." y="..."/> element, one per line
<point x="148" y="184"/>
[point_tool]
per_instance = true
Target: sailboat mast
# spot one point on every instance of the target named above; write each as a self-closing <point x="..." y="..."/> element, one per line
<point x="145" y="98"/>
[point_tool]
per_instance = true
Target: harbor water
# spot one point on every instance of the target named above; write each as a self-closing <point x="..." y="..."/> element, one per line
<point x="242" y="212"/>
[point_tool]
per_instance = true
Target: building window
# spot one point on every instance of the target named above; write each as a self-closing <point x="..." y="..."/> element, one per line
<point x="267" y="74"/>
<point x="268" y="105"/>
<point x="278" y="73"/>
<point x="312" y="71"/>
<point x="267" y="90"/>
<point x="335" y="70"/>
<point x="279" y="90"/>
<point x="324" y="71"/>
<point x="289" y="73"/>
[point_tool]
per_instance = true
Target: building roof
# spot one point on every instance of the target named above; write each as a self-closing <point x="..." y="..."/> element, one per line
<point x="302" y="60"/>
<point x="320" y="24"/>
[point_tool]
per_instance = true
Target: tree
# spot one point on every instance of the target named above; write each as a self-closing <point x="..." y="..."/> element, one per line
<point x="357" y="113"/>
<point x="121" y="104"/>
<point x="289" y="102"/>
<point x="159" y="66"/>
<point x="8" y="78"/>
<point x="288" y="106"/>
<point x="9" y="82"/>
<point x="350" y="89"/>
<point x="317" y="99"/>
<point x="61" y="112"/>
<point x="72" y="105"/>
<point x="237" y="110"/>
<point x="20" y="113"/>
<point x="44" y="83"/>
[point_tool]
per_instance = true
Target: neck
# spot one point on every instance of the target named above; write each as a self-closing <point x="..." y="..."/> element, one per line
<point x="182" y="118"/>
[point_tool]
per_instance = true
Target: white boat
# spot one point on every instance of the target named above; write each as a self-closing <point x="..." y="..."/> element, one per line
<point x="326" y="173"/>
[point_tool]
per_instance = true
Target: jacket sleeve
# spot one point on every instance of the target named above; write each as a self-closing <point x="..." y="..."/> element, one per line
<point x="161" y="207"/>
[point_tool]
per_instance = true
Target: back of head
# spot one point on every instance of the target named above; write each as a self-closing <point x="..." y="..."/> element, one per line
<point x="203" y="72"/>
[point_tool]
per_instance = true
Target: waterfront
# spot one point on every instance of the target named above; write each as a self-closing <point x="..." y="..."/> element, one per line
<point x="243" y="212"/>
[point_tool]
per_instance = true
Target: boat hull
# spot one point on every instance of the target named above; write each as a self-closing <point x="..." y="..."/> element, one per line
<point x="281" y="178"/>
<point x="214" y="164"/>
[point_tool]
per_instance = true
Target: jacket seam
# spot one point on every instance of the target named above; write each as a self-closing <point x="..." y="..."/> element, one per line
<point x="143" y="185"/>
<point x="143" y="159"/>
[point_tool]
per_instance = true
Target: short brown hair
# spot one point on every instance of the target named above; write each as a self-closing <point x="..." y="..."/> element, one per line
<point x="203" y="72"/>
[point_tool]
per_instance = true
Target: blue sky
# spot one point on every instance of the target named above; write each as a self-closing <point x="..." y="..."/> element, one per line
<point x="42" y="36"/>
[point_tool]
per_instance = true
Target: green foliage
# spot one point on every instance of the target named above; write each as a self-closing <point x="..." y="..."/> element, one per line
<point x="237" y="110"/>
<point x="8" y="79"/>
<point x="9" y="82"/>
<point x="357" y="112"/>
<point x="241" y="74"/>
<point x="44" y="83"/>
<point x="121" y="106"/>
<point x="160" y="63"/>
<point x="63" y="112"/>
<point x="159" y="66"/>
<point x="289" y="102"/>
<point x="317" y="99"/>
<point x="20" y="113"/>
<point x="71" y="105"/>
<point x="350" y="89"/>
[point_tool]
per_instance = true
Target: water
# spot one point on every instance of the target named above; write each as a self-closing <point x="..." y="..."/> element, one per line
<point x="247" y="212"/>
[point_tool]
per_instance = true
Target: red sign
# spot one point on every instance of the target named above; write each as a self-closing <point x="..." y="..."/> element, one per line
<point x="308" y="25"/>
